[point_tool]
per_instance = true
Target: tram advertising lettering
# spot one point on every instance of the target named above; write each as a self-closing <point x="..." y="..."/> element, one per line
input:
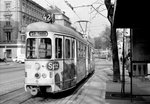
<point x="53" y="65"/>
<point x="50" y="65"/>
<point x="56" y="65"/>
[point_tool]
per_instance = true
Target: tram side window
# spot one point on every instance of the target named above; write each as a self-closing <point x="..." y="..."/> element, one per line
<point x="79" y="49"/>
<point x="89" y="53"/>
<point x="84" y="51"/>
<point x="73" y="49"/>
<point x="58" y="47"/>
<point x="67" y="48"/>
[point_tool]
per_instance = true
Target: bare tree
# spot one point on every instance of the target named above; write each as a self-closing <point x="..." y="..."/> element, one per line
<point x="106" y="37"/>
<point x="103" y="40"/>
<point x="98" y="42"/>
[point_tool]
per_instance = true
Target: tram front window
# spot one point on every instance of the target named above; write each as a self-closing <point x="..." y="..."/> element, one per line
<point x="39" y="48"/>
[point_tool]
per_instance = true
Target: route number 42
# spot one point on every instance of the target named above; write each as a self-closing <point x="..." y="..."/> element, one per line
<point x="48" y="17"/>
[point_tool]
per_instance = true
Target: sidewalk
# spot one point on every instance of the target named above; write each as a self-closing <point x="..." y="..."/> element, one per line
<point x="113" y="92"/>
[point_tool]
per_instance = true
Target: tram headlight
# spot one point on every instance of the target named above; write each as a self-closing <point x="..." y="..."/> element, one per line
<point x="37" y="75"/>
<point x="44" y="75"/>
<point x="37" y="66"/>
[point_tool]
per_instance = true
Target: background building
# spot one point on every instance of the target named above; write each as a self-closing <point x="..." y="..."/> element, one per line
<point x="15" y="15"/>
<point x="60" y="17"/>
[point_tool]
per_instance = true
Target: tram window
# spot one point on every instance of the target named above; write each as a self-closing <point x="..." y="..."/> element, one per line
<point x="45" y="48"/>
<point x="81" y="49"/>
<point x="79" y="52"/>
<point x="67" y="48"/>
<point x="78" y="49"/>
<point x="38" y="48"/>
<point x="73" y="49"/>
<point x="58" y="47"/>
<point x="89" y="51"/>
<point x="30" y="49"/>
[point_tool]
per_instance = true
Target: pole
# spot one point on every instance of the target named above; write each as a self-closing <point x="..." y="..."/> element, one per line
<point x="123" y="70"/>
<point x="131" y="58"/>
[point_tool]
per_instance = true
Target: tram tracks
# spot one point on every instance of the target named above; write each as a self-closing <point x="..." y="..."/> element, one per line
<point x="10" y="95"/>
<point x="10" y="86"/>
<point x="11" y="66"/>
<point x="12" y="81"/>
<point x="11" y="70"/>
<point x="19" y="96"/>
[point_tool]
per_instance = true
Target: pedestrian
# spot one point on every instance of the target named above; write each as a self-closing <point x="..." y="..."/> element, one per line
<point x="128" y="64"/>
<point x="5" y="57"/>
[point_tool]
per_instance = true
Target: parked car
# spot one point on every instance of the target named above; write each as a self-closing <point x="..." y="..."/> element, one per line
<point x="14" y="59"/>
<point x="103" y="56"/>
<point x="21" y="59"/>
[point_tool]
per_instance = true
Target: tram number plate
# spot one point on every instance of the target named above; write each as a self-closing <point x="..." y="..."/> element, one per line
<point x="53" y="65"/>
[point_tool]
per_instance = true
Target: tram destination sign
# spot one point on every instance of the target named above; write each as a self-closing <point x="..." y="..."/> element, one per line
<point x="38" y="33"/>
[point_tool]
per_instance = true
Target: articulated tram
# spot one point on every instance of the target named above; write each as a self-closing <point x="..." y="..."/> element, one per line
<point x="57" y="58"/>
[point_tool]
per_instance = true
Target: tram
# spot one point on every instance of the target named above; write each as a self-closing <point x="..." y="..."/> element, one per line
<point x="57" y="58"/>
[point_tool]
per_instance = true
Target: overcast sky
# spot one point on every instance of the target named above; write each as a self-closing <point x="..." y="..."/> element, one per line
<point x="97" y="23"/>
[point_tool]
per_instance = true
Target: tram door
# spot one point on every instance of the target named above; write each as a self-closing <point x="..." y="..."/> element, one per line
<point x="74" y="55"/>
<point x="69" y="65"/>
<point x="58" y="68"/>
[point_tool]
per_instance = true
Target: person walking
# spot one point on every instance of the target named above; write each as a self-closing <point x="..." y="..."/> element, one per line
<point x="5" y="57"/>
<point x="128" y="64"/>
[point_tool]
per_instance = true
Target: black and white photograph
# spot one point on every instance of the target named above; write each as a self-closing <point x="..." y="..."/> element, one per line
<point x="74" y="52"/>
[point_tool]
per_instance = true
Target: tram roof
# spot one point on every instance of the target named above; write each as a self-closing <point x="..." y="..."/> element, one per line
<point x="42" y="26"/>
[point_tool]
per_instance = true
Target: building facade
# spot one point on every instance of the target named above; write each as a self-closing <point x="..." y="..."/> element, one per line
<point x="15" y="15"/>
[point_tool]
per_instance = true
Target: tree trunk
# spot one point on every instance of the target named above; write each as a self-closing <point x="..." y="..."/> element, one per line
<point x="113" y="37"/>
<point x="115" y="59"/>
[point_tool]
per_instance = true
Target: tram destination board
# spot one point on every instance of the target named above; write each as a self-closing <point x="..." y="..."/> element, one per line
<point x="38" y="33"/>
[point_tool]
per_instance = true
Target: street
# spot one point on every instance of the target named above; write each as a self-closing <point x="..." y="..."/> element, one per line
<point x="89" y="90"/>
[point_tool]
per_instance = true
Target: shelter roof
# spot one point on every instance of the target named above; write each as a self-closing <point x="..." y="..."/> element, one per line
<point x="131" y="14"/>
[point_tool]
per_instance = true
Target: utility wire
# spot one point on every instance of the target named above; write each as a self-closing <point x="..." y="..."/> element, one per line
<point x="75" y="13"/>
<point x="48" y="4"/>
<point x="96" y="2"/>
<point x="98" y="11"/>
<point x="85" y="6"/>
<point x="97" y="7"/>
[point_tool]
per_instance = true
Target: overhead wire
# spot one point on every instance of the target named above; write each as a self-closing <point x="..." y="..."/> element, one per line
<point x="48" y="4"/>
<point x="75" y="13"/>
